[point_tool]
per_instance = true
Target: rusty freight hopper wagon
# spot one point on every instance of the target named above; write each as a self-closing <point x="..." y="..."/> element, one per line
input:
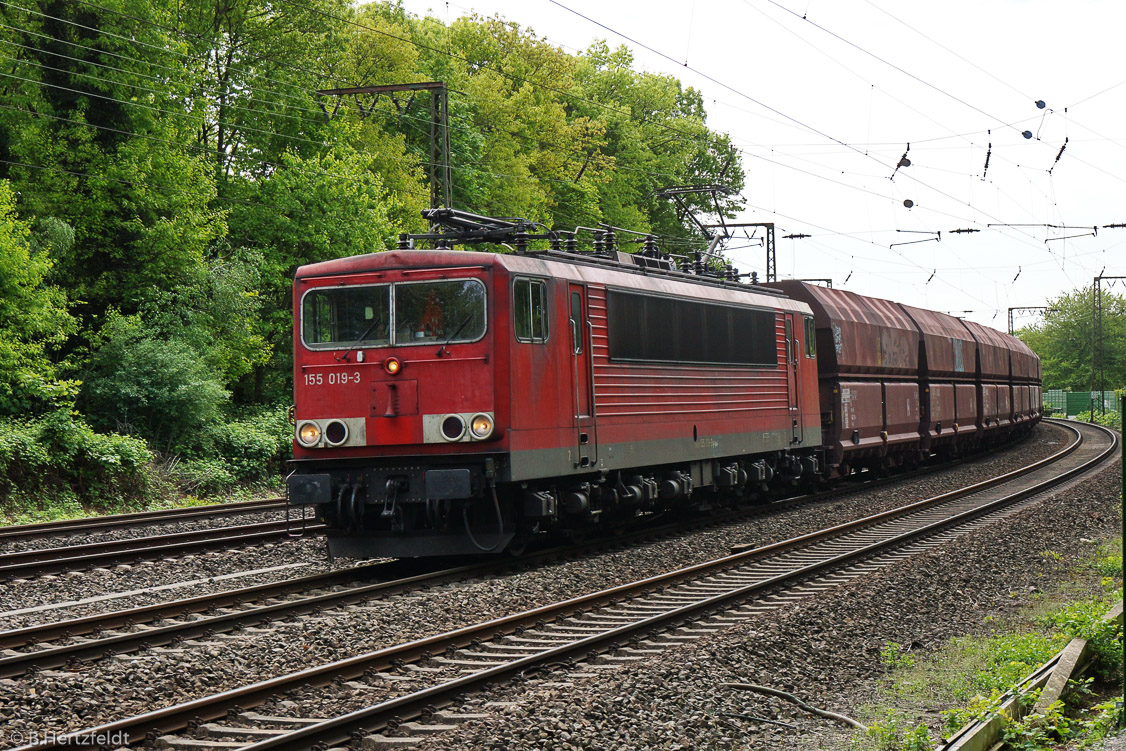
<point x="898" y="382"/>
<point x="868" y="368"/>
<point x="948" y="374"/>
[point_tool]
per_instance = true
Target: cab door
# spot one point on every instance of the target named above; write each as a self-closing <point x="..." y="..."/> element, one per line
<point x="793" y="380"/>
<point x="582" y="377"/>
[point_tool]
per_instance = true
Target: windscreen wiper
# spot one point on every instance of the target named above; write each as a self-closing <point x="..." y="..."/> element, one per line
<point x="359" y="341"/>
<point x="453" y="336"/>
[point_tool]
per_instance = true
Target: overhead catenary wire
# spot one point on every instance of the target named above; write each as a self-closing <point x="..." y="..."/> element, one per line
<point x="805" y="18"/>
<point x="189" y="115"/>
<point x="999" y="121"/>
<point x="130" y="40"/>
<point x="518" y="135"/>
<point x="740" y="93"/>
<point x="705" y="137"/>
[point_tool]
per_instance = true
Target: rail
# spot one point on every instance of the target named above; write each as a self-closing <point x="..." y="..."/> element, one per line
<point x="599" y="623"/>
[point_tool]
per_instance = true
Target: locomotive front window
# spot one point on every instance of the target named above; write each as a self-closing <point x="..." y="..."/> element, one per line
<point x="451" y="311"/>
<point x="393" y="314"/>
<point x="348" y="316"/>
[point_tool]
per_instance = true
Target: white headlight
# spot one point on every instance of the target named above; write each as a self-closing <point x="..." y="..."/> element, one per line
<point x="308" y="433"/>
<point x="481" y="426"/>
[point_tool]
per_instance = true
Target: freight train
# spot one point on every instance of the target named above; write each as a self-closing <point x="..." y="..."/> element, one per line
<point x="452" y="402"/>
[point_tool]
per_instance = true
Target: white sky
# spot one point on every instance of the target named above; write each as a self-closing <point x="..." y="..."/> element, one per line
<point x="820" y="162"/>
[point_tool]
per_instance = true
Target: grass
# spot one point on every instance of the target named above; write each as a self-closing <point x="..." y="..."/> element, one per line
<point x="27" y="511"/>
<point x="932" y="696"/>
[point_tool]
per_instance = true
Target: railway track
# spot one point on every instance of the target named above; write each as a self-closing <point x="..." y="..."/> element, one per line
<point x="28" y="563"/>
<point x="66" y="643"/>
<point x="140" y="518"/>
<point x="392" y="688"/>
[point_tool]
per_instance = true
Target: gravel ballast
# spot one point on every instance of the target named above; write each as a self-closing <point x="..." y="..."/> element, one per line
<point x="63" y="700"/>
<point x="134" y="531"/>
<point x="79" y="593"/>
<point x="825" y="649"/>
<point x="307" y="556"/>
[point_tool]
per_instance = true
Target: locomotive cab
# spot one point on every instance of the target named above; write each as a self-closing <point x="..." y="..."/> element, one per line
<point x="397" y="433"/>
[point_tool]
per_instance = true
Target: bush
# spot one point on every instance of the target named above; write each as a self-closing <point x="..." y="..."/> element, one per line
<point x="893" y="733"/>
<point x="1107" y="419"/>
<point x="1011" y="657"/>
<point x="252" y="448"/>
<point x="1084" y="620"/>
<point x="158" y="389"/>
<point x="204" y="477"/>
<point x="59" y="460"/>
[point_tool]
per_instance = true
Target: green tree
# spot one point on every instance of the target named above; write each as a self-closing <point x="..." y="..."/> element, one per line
<point x="147" y="223"/>
<point x="173" y="166"/>
<point x="218" y="315"/>
<point x="33" y="316"/>
<point x="159" y="389"/>
<point x="1063" y="340"/>
<point x="257" y="66"/>
<point x="97" y="135"/>
<point x="657" y="136"/>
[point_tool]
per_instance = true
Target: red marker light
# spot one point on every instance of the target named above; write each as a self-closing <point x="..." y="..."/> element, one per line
<point x="392" y="365"/>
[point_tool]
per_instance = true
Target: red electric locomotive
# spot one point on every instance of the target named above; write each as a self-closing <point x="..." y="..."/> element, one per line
<point x="456" y="402"/>
<point x="459" y="402"/>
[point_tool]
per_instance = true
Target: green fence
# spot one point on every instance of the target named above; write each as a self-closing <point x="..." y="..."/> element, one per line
<point x="1071" y="403"/>
<point x="1056" y="399"/>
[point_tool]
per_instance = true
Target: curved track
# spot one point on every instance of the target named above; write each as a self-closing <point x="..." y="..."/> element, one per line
<point x="625" y="623"/>
<point x="66" y="642"/>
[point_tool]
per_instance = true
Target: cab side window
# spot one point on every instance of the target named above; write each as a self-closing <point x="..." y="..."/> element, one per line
<point x="810" y="338"/>
<point x="529" y="310"/>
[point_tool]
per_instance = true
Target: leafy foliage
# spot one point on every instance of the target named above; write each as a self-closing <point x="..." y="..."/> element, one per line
<point x="1108" y="419"/>
<point x="217" y="314"/>
<point x="1071" y="322"/>
<point x="894" y="656"/>
<point x="165" y="168"/>
<point x="1084" y="620"/>
<point x="159" y="389"/>
<point x="33" y="316"/>
<point x="253" y="446"/>
<point x="893" y="733"/>
<point x="57" y="459"/>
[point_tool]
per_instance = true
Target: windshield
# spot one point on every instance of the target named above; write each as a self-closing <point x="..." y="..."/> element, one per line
<point x="346" y="315"/>
<point x="394" y="314"/>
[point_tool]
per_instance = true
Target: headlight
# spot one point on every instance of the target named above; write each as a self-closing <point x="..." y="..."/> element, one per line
<point x="308" y="434"/>
<point x="453" y="428"/>
<point x="481" y="426"/>
<point x="336" y="433"/>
